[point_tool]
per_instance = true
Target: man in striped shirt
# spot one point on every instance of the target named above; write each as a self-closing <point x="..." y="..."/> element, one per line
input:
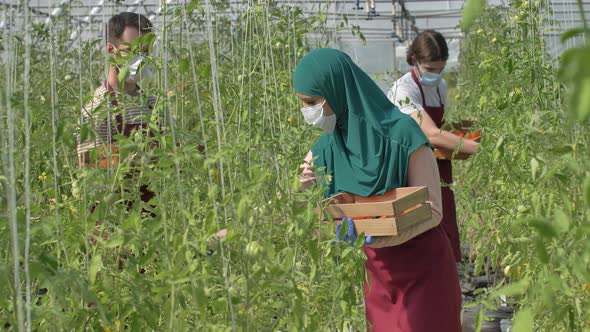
<point x="121" y="110"/>
<point x="115" y="109"/>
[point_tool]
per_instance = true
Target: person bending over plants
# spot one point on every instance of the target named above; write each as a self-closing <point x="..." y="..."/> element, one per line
<point x="370" y="147"/>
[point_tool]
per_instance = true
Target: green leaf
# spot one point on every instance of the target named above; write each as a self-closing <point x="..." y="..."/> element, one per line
<point x="243" y="208"/>
<point x="584" y="100"/>
<point x="541" y="251"/>
<point x="343" y="231"/>
<point x="534" y="168"/>
<point x="523" y="321"/>
<point x="49" y="262"/>
<point x="197" y="198"/>
<point x="544" y="228"/>
<point x="478" y="265"/>
<point x="123" y="73"/>
<point x="114" y="242"/>
<point x="586" y="191"/>
<point x="184" y="65"/>
<point x="572" y="33"/>
<point x="499" y="143"/>
<point x="562" y="149"/>
<point x="179" y="281"/>
<point x="515" y="288"/>
<point x="95" y="266"/>
<point x="562" y="220"/>
<point x="201" y="10"/>
<point x="479" y="318"/>
<point x="60" y="130"/>
<point x="471" y="11"/>
<point x="573" y="62"/>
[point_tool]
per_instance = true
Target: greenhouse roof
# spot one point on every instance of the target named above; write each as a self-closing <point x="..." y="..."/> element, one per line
<point x="387" y="33"/>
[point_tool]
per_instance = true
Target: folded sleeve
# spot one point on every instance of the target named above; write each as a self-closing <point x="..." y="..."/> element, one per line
<point x="405" y="96"/>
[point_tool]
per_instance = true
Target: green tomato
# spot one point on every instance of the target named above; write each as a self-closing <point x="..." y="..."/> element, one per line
<point x="110" y="199"/>
<point x="213" y="173"/>
<point x="253" y="249"/>
<point x="291" y="120"/>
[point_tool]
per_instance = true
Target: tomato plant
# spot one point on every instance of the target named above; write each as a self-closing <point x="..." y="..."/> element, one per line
<point x="521" y="198"/>
<point x="99" y="258"/>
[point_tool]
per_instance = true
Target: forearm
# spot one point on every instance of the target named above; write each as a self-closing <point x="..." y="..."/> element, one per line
<point x="449" y="141"/>
<point x="443" y="139"/>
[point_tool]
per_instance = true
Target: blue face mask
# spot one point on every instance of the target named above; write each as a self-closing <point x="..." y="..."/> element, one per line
<point x="429" y="79"/>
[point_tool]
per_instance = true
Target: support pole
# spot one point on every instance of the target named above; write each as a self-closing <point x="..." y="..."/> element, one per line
<point x="394" y="19"/>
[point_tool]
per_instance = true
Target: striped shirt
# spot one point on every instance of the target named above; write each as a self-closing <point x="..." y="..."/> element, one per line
<point x="106" y="116"/>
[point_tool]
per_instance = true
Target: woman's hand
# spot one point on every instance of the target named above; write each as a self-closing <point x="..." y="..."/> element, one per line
<point x="307" y="177"/>
<point x="350" y="234"/>
<point x="213" y="241"/>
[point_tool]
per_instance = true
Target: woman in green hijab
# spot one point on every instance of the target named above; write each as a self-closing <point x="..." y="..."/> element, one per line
<point x="370" y="147"/>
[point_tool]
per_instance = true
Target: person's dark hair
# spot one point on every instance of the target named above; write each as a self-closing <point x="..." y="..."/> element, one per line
<point x="429" y="46"/>
<point x="119" y="22"/>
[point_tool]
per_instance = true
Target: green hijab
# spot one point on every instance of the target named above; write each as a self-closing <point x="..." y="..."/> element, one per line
<point x="368" y="151"/>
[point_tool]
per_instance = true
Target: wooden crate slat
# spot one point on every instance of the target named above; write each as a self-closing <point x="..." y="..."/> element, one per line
<point x="392" y="195"/>
<point x="417" y="223"/>
<point x="405" y="191"/>
<point x="376" y="227"/>
<point x="419" y="215"/>
<point x="360" y="209"/>
<point x="413" y="199"/>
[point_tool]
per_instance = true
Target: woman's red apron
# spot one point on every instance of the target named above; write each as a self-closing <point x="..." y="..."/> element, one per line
<point x="414" y="287"/>
<point x="445" y="170"/>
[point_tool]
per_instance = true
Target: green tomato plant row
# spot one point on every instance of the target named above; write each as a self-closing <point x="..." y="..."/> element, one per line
<point x="230" y="160"/>
<point x="524" y="199"/>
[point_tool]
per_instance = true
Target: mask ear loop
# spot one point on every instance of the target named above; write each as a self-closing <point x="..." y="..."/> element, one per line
<point x="322" y="106"/>
<point x="417" y="69"/>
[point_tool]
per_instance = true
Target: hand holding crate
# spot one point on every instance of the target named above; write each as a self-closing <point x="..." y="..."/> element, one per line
<point x="397" y="213"/>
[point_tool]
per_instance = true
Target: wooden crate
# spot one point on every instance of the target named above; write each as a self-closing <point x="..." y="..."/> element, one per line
<point x="103" y="157"/>
<point x="107" y="156"/>
<point x="389" y="214"/>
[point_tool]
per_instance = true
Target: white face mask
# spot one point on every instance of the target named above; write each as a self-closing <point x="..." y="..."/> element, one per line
<point x="429" y="79"/>
<point x="314" y="115"/>
<point x="133" y="65"/>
